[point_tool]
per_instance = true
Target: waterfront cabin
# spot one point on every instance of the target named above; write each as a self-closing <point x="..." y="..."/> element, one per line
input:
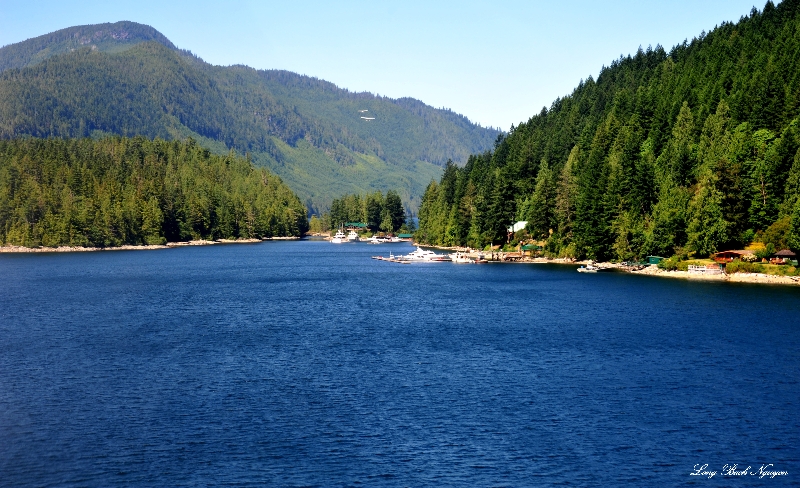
<point x="784" y="256"/>
<point x="654" y="259"/>
<point x="728" y="256"/>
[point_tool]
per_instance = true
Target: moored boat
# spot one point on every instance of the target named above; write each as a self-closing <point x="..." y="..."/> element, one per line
<point x="424" y="255"/>
<point x="376" y="239"/>
<point x="591" y="268"/>
<point x="459" y="257"/>
<point x="339" y="237"/>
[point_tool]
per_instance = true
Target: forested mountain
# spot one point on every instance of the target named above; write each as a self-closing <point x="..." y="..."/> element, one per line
<point x="682" y="152"/>
<point x="128" y="79"/>
<point x="115" y="191"/>
<point x="104" y="37"/>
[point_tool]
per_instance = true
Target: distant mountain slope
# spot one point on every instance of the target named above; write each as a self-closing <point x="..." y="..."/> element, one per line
<point x="105" y="37"/>
<point x="128" y="79"/>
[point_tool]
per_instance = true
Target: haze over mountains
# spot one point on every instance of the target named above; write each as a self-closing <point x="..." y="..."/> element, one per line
<point x="323" y="141"/>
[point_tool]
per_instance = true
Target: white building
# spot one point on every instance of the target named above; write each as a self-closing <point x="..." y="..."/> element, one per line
<point x="518" y="226"/>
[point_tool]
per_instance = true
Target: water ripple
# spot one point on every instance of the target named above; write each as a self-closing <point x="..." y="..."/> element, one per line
<point x="307" y="364"/>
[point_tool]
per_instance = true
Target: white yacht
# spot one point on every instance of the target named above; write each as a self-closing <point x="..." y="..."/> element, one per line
<point x="352" y="236"/>
<point x="377" y="240"/>
<point x="424" y="255"/>
<point x="339" y="237"/>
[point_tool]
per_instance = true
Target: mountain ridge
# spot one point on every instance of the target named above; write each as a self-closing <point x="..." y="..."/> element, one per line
<point x="128" y="79"/>
<point x="36" y="49"/>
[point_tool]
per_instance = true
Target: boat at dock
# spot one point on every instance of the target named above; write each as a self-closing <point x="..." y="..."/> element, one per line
<point x="459" y="257"/>
<point x="376" y="239"/>
<point x="352" y="236"/>
<point x="339" y="237"/>
<point x="392" y="259"/>
<point x="424" y="255"/>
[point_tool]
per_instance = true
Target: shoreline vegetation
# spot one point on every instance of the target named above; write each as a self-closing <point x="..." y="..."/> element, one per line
<point x="491" y="256"/>
<point x="652" y="270"/>
<point x="143" y="247"/>
<point x="118" y="191"/>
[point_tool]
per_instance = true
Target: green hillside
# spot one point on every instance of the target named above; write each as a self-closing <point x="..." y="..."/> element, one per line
<point x="115" y="191"/>
<point x="683" y="152"/>
<point x="128" y="79"/>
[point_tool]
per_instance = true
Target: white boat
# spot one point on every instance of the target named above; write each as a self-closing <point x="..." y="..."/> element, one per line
<point x="352" y="236"/>
<point x="339" y="237"/>
<point x="377" y="240"/>
<point x="424" y="255"/>
<point x="383" y="239"/>
<point x="460" y="257"/>
<point x="589" y="268"/>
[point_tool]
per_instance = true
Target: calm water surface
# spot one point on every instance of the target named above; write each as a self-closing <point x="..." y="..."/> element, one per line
<point x="309" y="364"/>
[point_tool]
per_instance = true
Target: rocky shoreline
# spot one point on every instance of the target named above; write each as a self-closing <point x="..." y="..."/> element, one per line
<point x="759" y="278"/>
<point x="653" y="270"/>
<point x="169" y="245"/>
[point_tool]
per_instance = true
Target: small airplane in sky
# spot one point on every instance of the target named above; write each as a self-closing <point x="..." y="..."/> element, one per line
<point x="362" y="111"/>
<point x="368" y="118"/>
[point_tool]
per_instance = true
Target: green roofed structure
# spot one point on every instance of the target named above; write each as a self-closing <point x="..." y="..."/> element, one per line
<point x="531" y="249"/>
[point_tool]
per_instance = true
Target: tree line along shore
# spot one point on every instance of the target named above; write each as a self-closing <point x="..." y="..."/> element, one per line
<point x="142" y="247"/>
<point x="121" y="191"/>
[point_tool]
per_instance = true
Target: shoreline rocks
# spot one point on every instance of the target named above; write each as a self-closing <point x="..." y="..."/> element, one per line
<point x="22" y="249"/>
<point x="754" y="278"/>
<point x="129" y="247"/>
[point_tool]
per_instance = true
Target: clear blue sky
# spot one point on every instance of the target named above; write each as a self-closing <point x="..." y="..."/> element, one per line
<point x="498" y="62"/>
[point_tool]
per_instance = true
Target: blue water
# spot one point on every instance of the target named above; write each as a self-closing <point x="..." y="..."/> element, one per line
<point x="309" y="364"/>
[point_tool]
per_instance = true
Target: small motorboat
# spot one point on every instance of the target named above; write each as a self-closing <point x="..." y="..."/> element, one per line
<point x="589" y="268"/>
<point x="459" y="257"/>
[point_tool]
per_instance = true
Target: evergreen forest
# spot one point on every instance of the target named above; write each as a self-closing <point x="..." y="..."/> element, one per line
<point x="685" y="153"/>
<point x="115" y="191"/>
<point x="380" y="213"/>
<point x="128" y="79"/>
